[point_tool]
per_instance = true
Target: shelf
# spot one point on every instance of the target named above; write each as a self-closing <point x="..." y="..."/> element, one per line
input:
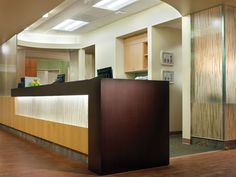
<point x="137" y="71"/>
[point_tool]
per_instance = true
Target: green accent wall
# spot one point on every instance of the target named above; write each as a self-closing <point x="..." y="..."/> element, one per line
<point x="47" y="64"/>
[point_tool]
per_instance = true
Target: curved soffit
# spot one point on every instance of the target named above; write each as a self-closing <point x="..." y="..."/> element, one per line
<point x="186" y="7"/>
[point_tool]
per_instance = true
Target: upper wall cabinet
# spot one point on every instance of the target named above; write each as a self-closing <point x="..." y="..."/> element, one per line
<point x="30" y="67"/>
<point x="136" y="53"/>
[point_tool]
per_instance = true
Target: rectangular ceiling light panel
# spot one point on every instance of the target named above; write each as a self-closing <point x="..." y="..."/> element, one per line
<point x="69" y="25"/>
<point x="113" y="5"/>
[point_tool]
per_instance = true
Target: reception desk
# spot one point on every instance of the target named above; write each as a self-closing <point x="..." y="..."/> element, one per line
<point x="127" y="120"/>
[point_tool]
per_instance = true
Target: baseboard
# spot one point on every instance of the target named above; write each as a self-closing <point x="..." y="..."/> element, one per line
<point x="186" y="141"/>
<point x="47" y="144"/>
<point x="230" y="144"/>
<point x="175" y="132"/>
<point x="217" y="144"/>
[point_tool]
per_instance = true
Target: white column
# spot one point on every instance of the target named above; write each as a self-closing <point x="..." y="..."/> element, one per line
<point x="81" y="64"/>
<point x="119" y="69"/>
<point x="154" y="66"/>
<point x="186" y="75"/>
<point x="20" y="64"/>
<point x="74" y="66"/>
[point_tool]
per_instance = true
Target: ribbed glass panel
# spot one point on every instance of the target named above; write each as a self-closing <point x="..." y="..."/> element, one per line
<point x="207" y="74"/>
<point x="230" y="43"/>
<point x="71" y="110"/>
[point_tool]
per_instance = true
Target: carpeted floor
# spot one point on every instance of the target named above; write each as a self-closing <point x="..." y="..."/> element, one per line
<point x="179" y="149"/>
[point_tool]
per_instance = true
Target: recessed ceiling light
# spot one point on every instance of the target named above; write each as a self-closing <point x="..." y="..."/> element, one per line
<point x="113" y="5"/>
<point x="69" y="25"/>
<point x="45" y="15"/>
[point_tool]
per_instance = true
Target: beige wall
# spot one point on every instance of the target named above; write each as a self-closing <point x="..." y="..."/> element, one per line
<point x="50" y="54"/>
<point x="89" y="66"/>
<point x="8" y="66"/>
<point x="169" y="40"/>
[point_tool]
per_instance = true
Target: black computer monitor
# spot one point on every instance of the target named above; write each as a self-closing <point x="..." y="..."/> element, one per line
<point x="60" y="78"/>
<point x="105" y="72"/>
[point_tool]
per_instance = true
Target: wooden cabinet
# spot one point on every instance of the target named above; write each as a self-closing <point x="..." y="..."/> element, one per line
<point x="30" y="67"/>
<point x="136" y="59"/>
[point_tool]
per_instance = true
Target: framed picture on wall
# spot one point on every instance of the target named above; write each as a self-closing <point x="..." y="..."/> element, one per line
<point x="167" y="58"/>
<point x="168" y="76"/>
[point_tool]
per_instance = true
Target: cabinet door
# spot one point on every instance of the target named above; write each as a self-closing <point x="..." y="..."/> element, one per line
<point x="145" y="55"/>
<point x="30" y="67"/>
<point x="134" y="56"/>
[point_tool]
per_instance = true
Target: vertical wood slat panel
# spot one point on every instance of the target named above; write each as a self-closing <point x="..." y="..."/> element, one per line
<point x="205" y="122"/>
<point x="230" y="122"/>
<point x="230" y="42"/>
<point x="207" y="109"/>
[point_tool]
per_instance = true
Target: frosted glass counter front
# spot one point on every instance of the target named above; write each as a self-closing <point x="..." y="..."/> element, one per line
<point x="71" y="110"/>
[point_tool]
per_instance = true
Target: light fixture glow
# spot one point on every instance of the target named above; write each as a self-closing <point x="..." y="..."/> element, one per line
<point x="70" y="109"/>
<point x="113" y="5"/>
<point x="69" y="25"/>
<point x="5" y="49"/>
<point x="45" y="15"/>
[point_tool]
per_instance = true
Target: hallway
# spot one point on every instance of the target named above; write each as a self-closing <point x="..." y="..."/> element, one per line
<point x="19" y="158"/>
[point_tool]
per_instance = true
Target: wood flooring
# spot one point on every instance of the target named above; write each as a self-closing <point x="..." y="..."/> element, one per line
<point x="20" y="158"/>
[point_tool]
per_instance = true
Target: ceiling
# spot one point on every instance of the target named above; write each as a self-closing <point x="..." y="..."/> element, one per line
<point x="189" y="6"/>
<point x="83" y="10"/>
<point x="15" y="15"/>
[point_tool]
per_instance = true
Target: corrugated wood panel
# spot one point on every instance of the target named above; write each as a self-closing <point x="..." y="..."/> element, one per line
<point x="207" y="80"/>
<point x="230" y="122"/>
<point x="230" y="42"/>
<point x="206" y="120"/>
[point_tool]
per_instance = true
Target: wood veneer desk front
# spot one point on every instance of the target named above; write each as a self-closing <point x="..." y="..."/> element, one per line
<point x="128" y="121"/>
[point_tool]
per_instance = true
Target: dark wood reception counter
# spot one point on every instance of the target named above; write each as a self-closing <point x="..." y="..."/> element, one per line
<point x="128" y="121"/>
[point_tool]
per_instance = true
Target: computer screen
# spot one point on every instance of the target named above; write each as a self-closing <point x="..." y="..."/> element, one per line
<point x="60" y="78"/>
<point x="105" y="72"/>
